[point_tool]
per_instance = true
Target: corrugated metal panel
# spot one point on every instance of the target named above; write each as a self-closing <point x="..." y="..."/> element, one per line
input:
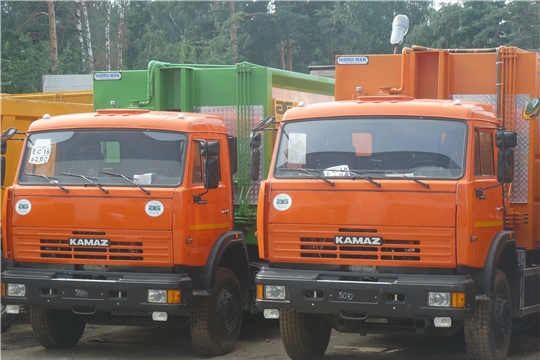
<point x="520" y="185"/>
<point x="53" y="83"/>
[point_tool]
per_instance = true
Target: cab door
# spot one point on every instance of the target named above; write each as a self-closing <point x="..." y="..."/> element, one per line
<point x="487" y="217"/>
<point x="210" y="210"/>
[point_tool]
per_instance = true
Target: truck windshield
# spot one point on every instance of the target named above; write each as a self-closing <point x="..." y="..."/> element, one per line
<point x="105" y="157"/>
<point x="401" y="148"/>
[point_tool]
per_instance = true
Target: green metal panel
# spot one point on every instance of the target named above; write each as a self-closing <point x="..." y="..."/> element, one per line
<point x="131" y="85"/>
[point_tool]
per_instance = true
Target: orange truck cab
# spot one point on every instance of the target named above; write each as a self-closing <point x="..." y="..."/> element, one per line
<point x="410" y="204"/>
<point x="139" y="190"/>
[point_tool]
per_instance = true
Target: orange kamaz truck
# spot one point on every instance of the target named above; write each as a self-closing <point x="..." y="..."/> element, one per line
<point x="410" y="204"/>
<point x="142" y="212"/>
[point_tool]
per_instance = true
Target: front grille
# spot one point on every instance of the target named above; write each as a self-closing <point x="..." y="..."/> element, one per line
<point x="126" y="246"/>
<point x="401" y="246"/>
<point x="390" y="250"/>
<point x="132" y="251"/>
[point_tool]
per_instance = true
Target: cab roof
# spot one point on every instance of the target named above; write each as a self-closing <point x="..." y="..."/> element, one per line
<point x="133" y="118"/>
<point x="395" y="106"/>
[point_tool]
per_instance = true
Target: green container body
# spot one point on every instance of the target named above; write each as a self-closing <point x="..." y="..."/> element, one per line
<point x="242" y="94"/>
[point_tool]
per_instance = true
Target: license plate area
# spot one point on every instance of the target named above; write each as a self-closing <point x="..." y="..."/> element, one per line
<point x="82" y="293"/>
<point x="353" y="296"/>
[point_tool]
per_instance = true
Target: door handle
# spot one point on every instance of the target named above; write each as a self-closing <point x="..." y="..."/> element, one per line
<point x="225" y="211"/>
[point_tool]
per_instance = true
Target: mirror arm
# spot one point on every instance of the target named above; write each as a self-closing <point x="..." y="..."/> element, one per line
<point x="198" y="198"/>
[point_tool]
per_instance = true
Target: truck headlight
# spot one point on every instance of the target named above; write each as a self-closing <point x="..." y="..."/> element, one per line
<point x="274" y="292"/>
<point x="163" y="296"/>
<point x="157" y="296"/>
<point x="444" y="299"/>
<point x="439" y="299"/>
<point x="16" y="290"/>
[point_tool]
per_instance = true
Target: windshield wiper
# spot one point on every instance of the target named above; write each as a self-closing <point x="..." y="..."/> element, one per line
<point x="396" y="174"/>
<point x="52" y="181"/>
<point x="364" y="177"/>
<point x="317" y="176"/>
<point x="127" y="179"/>
<point x="98" y="185"/>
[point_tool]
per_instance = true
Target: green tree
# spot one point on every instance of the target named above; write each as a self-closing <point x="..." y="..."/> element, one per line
<point x="23" y="64"/>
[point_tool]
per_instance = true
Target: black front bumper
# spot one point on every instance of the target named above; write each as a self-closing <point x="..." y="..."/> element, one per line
<point x="359" y="295"/>
<point x="91" y="292"/>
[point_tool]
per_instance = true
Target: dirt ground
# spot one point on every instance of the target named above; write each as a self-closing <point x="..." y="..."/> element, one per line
<point x="259" y="339"/>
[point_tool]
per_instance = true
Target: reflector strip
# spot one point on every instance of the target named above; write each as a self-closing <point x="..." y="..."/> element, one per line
<point x="210" y="226"/>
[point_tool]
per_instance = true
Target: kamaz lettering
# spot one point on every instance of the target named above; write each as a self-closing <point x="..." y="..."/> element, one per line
<point x="357" y="240"/>
<point x="89" y="242"/>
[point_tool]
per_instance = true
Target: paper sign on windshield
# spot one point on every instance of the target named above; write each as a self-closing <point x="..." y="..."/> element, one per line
<point x="41" y="151"/>
<point x="340" y="170"/>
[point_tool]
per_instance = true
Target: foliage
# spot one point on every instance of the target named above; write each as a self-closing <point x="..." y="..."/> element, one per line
<point x="278" y="34"/>
<point x="23" y="73"/>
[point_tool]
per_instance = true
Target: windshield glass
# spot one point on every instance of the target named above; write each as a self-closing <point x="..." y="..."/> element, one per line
<point x="399" y="148"/>
<point x="107" y="157"/>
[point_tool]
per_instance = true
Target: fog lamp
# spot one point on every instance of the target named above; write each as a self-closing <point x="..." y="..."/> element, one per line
<point x="271" y="313"/>
<point x="13" y="309"/>
<point x="442" y="322"/>
<point x="159" y="316"/>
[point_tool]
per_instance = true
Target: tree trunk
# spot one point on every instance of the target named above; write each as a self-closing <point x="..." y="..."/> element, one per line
<point x="52" y="36"/>
<point x="80" y="31"/>
<point x="234" y="34"/>
<point x="289" y="48"/>
<point x="108" y="37"/>
<point x="282" y="55"/>
<point x="121" y="35"/>
<point x="87" y="36"/>
<point x="289" y="54"/>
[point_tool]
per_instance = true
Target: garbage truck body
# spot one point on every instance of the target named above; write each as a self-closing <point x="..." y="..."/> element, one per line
<point x="410" y="204"/>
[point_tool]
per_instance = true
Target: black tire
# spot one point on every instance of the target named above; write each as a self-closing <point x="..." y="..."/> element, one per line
<point x="487" y="335"/>
<point x="56" y="329"/>
<point x="7" y="319"/>
<point x="215" y="320"/>
<point x="304" y="336"/>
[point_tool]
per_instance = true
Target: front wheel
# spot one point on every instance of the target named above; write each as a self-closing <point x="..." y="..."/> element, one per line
<point x="487" y="335"/>
<point x="215" y="320"/>
<point x="56" y="329"/>
<point x="304" y="336"/>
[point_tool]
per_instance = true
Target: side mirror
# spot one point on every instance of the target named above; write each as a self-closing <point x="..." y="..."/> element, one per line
<point x="505" y="166"/>
<point x="8" y="134"/>
<point x="3" y="168"/>
<point x="211" y="172"/>
<point x="255" y="140"/>
<point x="233" y="152"/>
<point x="255" y="165"/>
<point x="506" y="138"/>
<point x="264" y="123"/>
<point x="210" y="148"/>
<point x="531" y="108"/>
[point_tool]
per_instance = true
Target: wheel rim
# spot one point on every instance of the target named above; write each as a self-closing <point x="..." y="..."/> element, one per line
<point x="227" y="313"/>
<point x="503" y="321"/>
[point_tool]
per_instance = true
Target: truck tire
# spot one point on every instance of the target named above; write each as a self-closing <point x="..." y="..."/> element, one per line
<point x="215" y="320"/>
<point x="304" y="336"/>
<point x="7" y="319"/>
<point x="487" y="335"/>
<point x="56" y="329"/>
